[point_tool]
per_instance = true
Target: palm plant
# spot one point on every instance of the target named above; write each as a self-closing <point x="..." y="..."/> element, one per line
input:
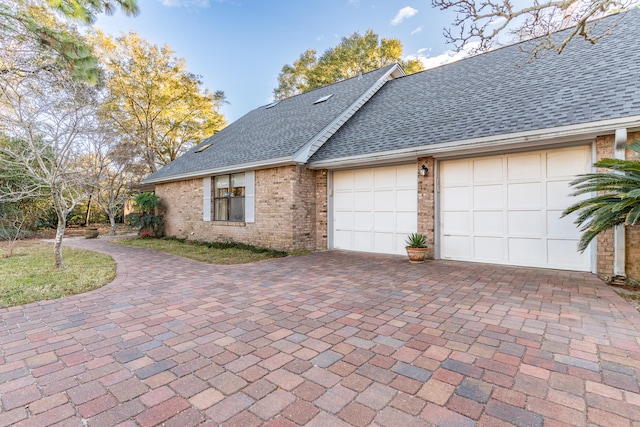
<point x="617" y="201"/>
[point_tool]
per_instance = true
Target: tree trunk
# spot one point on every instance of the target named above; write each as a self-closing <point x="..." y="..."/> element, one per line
<point x="86" y="220"/>
<point x="57" y="245"/>
<point x="112" y="221"/>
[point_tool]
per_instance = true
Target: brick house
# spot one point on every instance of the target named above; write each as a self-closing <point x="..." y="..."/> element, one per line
<point x="477" y="155"/>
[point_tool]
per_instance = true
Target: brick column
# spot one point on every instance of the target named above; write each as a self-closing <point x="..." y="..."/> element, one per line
<point x="426" y="203"/>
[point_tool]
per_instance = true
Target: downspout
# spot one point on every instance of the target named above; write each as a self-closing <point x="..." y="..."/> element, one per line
<point x="619" y="249"/>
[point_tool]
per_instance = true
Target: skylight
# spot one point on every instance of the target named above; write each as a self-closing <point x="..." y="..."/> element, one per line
<point x="273" y="104"/>
<point x="204" y="147"/>
<point x="324" y="98"/>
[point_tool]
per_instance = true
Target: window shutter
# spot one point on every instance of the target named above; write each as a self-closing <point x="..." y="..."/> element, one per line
<point x="206" y="198"/>
<point x="249" y="196"/>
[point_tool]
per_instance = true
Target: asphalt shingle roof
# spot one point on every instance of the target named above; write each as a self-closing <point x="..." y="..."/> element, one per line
<point x="266" y="134"/>
<point x="498" y="93"/>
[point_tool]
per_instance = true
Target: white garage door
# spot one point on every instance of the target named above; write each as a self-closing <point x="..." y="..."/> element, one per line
<point x="374" y="209"/>
<point x="506" y="209"/>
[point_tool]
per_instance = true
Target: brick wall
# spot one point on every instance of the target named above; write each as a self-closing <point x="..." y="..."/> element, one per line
<point x="605" y="256"/>
<point x="426" y="206"/>
<point x="285" y="211"/>
<point x="322" y="213"/>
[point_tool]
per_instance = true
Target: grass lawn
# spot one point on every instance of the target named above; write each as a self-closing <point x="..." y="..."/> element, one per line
<point x="29" y="274"/>
<point x="211" y="253"/>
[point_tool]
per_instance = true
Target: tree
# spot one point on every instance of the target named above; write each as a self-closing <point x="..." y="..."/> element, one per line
<point x="31" y="27"/>
<point x="45" y="118"/>
<point x="480" y="25"/>
<point x="114" y="171"/>
<point x="617" y="201"/>
<point x="158" y="106"/>
<point x="354" y="55"/>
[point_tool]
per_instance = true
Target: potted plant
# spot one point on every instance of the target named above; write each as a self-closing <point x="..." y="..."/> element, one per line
<point x="416" y="247"/>
<point x="91" y="232"/>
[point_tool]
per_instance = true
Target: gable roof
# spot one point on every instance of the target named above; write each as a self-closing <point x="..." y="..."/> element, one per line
<point x="498" y="94"/>
<point x="286" y="132"/>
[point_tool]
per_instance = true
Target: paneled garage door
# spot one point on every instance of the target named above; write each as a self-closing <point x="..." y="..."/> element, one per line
<point x="374" y="209"/>
<point x="506" y="209"/>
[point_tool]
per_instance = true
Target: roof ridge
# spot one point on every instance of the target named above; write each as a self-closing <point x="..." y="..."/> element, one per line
<point x="332" y="84"/>
<point x="507" y="46"/>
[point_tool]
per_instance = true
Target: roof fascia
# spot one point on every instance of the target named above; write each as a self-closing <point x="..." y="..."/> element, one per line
<point x="310" y="147"/>
<point x="271" y="163"/>
<point x="536" y="138"/>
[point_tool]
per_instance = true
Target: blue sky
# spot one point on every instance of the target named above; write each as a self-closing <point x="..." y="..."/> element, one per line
<point x="239" y="46"/>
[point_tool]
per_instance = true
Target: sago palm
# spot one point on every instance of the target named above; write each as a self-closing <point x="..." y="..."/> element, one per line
<point x="617" y="201"/>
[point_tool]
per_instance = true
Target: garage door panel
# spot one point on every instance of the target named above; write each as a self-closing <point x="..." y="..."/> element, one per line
<point x="525" y="167"/>
<point x="524" y="195"/>
<point x="526" y="251"/>
<point x="456" y="223"/>
<point x="456" y="247"/>
<point x="384" y="242"/>
<point x="385" y="178"/>
<point x="565" y="253"/>
<point x="375" y="208"/>
<point x="363" y="201"/>
<point x="487" y="197"/>
<point x="343" y="181"/>
<point x="487" y="170"/>
<point x="406" y="222"/>
<point x="362" y="241"/>
<point x="343" y="220"/>
<point x="567" y="163"/>
<point x="525" y="223"/>
<point x="509" y="212"/>
<point x="484" y="223"/>
<point x="488" y="249"/>
<point x="455" y="172"/>
<point x="406" y="200"/>
<point x="342" y="239"/>
<point x="406" y="178"/>
<point x="363" y="221"/>
<point x="363" y="179"/>
<point x="456" y="199"/>
<point x="562" y="227"/>
<point x="384" y="221"/>
<point x="384" y="200"/>
<point x="343" y="200"/>
<point x="559" y="194"/>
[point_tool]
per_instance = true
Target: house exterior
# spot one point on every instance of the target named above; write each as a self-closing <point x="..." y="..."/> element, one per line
<point x="477" y="155"/>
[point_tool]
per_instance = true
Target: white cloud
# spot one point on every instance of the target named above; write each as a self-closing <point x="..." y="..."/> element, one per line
<point x="424" y="49"/>
<point x="442" y="59"/>
<point x="353" y="2"/>
<point x="185" y="3"/>
<point x="404" y="13"/>
<point x="417" y="30"/>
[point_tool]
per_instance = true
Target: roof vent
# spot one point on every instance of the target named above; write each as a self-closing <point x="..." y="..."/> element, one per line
<point x="204" y="147"/>
<point x="324" y="98"/>
<point x="273" y="104"/>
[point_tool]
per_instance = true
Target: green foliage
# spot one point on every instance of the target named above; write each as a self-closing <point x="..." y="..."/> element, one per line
<point x="353" y="55"/>
<point x="158" y="107"/>
<point x="416" y="240"/>
<point x="208" y="252"/>
<point x="46" y="36"/>
<point x="150" y="224"/>
<point x="617" y="201"/>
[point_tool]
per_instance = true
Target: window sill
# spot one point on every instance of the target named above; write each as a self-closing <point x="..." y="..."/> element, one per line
<point x="229" y="223"/>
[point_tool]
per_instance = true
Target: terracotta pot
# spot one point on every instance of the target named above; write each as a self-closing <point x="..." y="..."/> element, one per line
<point x="416" y="255"/>
<point x="90" y="232"/>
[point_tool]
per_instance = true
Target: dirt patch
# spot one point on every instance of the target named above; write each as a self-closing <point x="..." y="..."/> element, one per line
<point x="629" y="293"/>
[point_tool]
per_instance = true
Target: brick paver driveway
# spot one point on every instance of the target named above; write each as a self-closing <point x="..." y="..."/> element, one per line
<point x="326" y="339"/>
